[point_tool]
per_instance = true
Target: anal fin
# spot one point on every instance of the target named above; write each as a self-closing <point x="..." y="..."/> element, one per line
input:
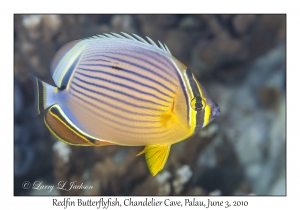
<point x="58" y="121"/>
<point x="156" y="157"/>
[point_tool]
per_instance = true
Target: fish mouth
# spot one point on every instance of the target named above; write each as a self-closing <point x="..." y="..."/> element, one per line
<point x="216" y="111"/>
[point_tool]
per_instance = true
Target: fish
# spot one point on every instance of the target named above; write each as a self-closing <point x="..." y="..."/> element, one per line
<point x="120" y="89"/>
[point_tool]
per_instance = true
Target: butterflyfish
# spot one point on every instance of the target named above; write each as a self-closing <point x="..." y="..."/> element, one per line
<point x="115" y="89"/>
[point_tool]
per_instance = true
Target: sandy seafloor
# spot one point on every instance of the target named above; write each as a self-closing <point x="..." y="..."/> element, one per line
<point x="239" y="59"/>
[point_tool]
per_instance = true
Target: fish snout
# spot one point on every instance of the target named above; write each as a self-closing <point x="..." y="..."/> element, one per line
<point x="215" y="111"/>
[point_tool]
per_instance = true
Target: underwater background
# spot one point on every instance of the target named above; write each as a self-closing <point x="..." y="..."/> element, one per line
<point x="239" y="59"/>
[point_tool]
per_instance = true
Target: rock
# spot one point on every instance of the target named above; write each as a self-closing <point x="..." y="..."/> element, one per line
<point x="217" y="167"/>
<point x="122" y="23"/>
<point x="187" y="22"/>
<point x="179" y="44"/>
<point x="51" y="26"/>
<point x="18" y="100"/>
<point x="163" y="177"/>
<point x="158" y="20"/>
<point x="63" y="151"/>
<point x="27" y="48"/>
<point x="225" y="17"/>
<point x="210" y="131"/>
<point x="269" y="96"/>
<point x="253" y="138"/>
<point x="154" y="26"/>
<point x="242" y="23"/>
<point x="263" y="34"/>
<point x="281" y="34"/>
<point x="192" y="23"/>
<point x="154" y="33"/>
<point x="183" y="175"/>
<point x="196" y="191"/>
<point x="213" y="24"/>
<point x="146" y="188"/>
<point x="278" y="185"/>
<point x="24" y="151"/>
<point x="215" y="193"/>
<point x="272" y="23"/>
<point x="32" y="23"/>
<point x="109" y="170"/>
<point x="101" y="154"/>
<point x="61" y="170"/>
<point x="163" y="182"/>
<point x="223" y="55"/>
<point x="52" y="22"/>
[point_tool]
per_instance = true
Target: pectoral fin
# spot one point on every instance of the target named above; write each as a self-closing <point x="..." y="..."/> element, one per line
<point x="156" y="157"/>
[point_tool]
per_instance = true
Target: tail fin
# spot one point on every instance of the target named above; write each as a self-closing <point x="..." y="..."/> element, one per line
<point x="44" y="95"/>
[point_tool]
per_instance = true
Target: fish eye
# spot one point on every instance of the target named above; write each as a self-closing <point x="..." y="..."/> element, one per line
<point x="197" y="104"/>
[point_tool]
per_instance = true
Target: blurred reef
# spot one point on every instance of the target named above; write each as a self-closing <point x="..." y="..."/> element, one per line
<point x="240" y="60"/>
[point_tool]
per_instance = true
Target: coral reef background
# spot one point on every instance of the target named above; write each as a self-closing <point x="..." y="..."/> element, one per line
<point x="240" y="60"/>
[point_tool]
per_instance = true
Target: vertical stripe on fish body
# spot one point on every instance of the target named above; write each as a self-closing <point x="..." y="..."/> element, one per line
<point x="122" y="90"/>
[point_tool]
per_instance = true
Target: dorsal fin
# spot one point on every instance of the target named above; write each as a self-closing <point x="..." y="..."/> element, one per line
<point x="60" y="53"/>
<point x="135" y="37"/>
<point x="67" y="57"/>
<point x="64" y="62"/>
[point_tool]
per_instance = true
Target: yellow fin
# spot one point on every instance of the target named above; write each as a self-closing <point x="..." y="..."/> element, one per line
<point x="156" y="157"/>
